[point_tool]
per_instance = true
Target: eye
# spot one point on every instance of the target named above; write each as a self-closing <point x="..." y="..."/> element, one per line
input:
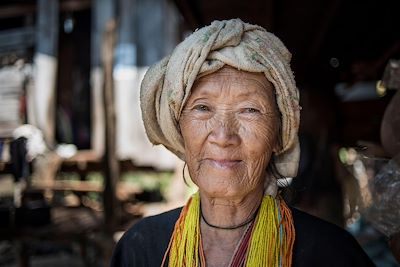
<point x="201" y="108"/>
<point x="251" y="110"/>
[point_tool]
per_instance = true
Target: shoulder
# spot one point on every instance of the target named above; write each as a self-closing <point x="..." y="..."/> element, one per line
<point x="309" y="226"/>
<point x="145" y="242"/>
<point x="153" y="224"/>
<point x="319" y="242"/>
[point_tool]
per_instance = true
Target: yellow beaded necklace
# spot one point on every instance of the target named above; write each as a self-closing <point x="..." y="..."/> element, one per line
<point x="271" y="242"/>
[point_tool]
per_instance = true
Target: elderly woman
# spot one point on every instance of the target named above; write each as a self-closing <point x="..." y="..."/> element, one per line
<point x="226" y="103"/>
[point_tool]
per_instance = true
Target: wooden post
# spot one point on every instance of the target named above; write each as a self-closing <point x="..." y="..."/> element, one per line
<point x="140" y="45"/>
<point x="126" y="84"/>
<point x="103" y="11"/>
<point x="41" y="100"/>
<point x="111" y="164"/>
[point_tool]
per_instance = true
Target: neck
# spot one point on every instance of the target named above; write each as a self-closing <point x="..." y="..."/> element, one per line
<point x="229" y="227"/>
<point x="229" y="213"/>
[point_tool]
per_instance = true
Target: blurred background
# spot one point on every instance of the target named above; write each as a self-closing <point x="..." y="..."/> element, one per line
<point x="76" y="169"/>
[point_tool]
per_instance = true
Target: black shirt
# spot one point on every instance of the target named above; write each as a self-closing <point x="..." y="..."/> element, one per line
<point x="317" y="243"/>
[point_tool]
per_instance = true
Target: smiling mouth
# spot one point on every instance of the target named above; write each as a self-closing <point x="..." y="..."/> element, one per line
<point x="224" y="164"/>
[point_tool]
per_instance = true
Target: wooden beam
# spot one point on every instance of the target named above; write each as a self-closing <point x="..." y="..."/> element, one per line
<point x="75" y="5"/>
<point x="20" y="10"/>
<point x="76" y="186"/>
<point x="23" y="37"/>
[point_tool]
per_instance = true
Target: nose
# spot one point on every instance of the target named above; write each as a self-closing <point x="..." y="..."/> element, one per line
<point x="224" y="132"/>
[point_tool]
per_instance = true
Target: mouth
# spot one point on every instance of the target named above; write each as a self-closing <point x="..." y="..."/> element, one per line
<point x="224" y="163"/>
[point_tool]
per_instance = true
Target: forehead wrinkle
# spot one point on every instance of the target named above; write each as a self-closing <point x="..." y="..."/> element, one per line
<point x="233" y="73"/>
<point x="224" y="81"/>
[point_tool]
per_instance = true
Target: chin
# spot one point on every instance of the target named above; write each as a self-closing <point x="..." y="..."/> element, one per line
<point x="218" y="191"/>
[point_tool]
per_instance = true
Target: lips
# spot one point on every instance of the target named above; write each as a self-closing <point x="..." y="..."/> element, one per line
<point x="224" y="163"/>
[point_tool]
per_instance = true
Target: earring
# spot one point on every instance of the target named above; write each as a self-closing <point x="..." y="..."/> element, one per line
<point x="183" y="174"/>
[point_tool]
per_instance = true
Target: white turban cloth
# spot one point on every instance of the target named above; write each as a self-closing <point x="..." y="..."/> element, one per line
<point x="167" y="85"/>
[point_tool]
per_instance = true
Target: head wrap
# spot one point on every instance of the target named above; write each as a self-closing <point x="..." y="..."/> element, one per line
<point x="167" y="84"/>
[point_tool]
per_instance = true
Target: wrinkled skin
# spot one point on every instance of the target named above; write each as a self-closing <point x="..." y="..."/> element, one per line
<point x="229" y="126"/>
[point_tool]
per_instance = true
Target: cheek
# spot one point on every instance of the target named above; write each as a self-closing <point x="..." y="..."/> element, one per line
<point x="194" y="133"/>
<point x="260" y="137"/>
<point x="259" y="142"/>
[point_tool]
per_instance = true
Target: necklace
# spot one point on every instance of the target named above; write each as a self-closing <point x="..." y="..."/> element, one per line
<point x="270" y="243"/>
<point x="233" y="227"/>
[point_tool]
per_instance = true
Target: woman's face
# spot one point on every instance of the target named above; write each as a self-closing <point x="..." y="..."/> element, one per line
<point x="230" y="126"/>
